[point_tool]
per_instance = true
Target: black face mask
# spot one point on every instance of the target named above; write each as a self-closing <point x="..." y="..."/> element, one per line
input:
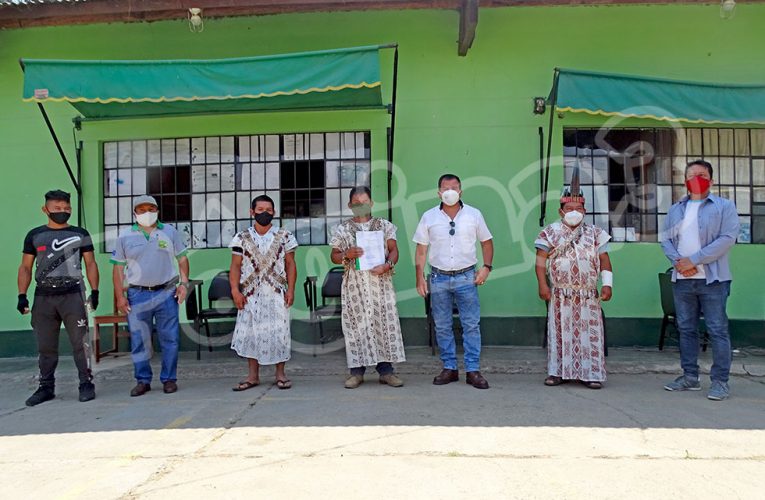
<point x="59" y="217"/>
<point x="263" y="218"/>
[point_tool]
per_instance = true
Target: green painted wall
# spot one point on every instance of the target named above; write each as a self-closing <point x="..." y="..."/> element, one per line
<point x="471" y="116"/>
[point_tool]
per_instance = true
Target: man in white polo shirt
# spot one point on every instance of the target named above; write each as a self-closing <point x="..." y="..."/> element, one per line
<point x="451" y="230"/>
<point x="151" y="255"/>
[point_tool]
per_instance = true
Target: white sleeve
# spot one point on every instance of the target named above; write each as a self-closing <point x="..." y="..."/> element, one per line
<point x="290" y="243"/>
<point x="603" y="239"/>
<point x="421" y="234"/>
<point x="482" y="231"/>
<point x="389" y="230"/>
<point x="236" y="244"/>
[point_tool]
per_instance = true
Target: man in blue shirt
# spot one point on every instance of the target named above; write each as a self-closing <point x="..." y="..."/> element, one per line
<point x="698" y="234"/>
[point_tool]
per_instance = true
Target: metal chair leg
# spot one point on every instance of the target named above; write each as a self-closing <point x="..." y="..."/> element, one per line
<point x="662" y="335"/>
<point x="207" y="331"/>
<point x="605" y="335"/>
<point x="547" y="325"/>
<point x="199" y="344"/>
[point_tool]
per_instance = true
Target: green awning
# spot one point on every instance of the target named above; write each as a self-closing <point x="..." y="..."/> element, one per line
<point x="659" y="99"/>
<point x="331" y="79"/>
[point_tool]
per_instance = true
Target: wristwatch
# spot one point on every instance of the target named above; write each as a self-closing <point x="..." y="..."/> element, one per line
<point x="488" y="266"/>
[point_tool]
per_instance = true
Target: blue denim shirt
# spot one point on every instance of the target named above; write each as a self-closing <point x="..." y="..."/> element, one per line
<point x="718" y="230"/>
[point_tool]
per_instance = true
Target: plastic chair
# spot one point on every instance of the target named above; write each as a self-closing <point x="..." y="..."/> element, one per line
<point x="668" y="308"/>
<point x="331" y="301"/>
<point x="220" y="306"/>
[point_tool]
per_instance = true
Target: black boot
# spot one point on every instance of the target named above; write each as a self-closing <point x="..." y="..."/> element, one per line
<point x="42" y="394"/>
<point x="87" y="391"/>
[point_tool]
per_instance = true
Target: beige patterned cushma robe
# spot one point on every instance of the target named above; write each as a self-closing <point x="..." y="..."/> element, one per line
<point x="370" y="317"/>
<point x="262" y="329"/>
<point x="575" y="325"/>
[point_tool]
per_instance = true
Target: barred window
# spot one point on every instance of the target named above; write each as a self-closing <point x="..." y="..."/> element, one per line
<point x="204" y="185"/>
<point x="631" y="176"/>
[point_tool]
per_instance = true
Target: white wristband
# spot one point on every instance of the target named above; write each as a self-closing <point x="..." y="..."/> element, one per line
<point x="607" y="278"/>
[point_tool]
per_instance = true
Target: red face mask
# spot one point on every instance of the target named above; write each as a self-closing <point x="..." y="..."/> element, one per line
<point x="698" y="184"/>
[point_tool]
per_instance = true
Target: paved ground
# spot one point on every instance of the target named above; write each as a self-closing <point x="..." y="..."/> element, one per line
<point x="517" y="440"/>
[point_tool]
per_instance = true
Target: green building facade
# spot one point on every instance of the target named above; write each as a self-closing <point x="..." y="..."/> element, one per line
<point x="472" y="116"/>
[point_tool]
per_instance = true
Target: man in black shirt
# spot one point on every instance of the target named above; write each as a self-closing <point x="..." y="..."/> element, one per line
<point x="58" y="250"/>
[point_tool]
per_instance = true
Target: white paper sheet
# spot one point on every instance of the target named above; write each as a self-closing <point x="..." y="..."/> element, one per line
<point x="227" y="149"/>
<point x="289" y="146"/>
<point x="317" y="146"/>
<point x="154" y="152"/>
<point x="110" y="155"/>
<point x="139" y="153"/>
<point x="168" y="152"/>
<point x="125" y="152"/>
<point x="332" y="145"/>
<point x="373" y="244"/>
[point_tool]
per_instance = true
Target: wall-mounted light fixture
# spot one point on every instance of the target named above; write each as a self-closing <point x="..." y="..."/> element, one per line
<point x="540" y="105"/>
<point x="727" y="9"/>
<point x="196" y="25"/>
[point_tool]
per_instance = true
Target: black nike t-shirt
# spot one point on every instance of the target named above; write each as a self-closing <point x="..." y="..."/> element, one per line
<point x="58" y="254"/>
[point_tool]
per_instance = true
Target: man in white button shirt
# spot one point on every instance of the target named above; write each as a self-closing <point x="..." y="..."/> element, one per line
<point x="451" y="230"/>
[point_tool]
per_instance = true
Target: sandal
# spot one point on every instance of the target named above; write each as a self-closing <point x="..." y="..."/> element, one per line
<point x="284" y="384"/>
<point x="244" y="385"/>
<point x="553" y="380"/>
<point x="592" y="385"/>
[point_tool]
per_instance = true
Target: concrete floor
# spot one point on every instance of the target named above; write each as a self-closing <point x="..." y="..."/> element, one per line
<point x="518" y="439"/>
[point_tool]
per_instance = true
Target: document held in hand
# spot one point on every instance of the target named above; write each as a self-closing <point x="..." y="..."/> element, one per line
<point x="373" y="244"/>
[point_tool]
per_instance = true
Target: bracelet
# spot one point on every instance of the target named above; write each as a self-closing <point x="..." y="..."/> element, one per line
<point x="607" y="278"/>
<point x="390" y="263"/>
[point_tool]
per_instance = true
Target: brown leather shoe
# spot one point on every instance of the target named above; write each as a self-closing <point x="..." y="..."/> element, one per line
<point x="140" y="389"/>
<point x="446" y="377"/>
<point x="476" y="380"/>
<point x="169" y="387"/>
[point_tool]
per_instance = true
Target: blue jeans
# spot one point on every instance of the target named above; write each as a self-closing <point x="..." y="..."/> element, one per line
<point x="692" y="298"/>
<point x="446" y="290"/>
<point x="383" y="368"/>
<point x="159" y="308"/>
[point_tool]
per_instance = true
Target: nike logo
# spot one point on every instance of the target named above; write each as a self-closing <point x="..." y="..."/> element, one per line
<point x="57" y="245"/>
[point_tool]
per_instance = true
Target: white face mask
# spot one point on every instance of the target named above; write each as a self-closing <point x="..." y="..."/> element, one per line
<point x="450" y="197"/>
<point x="146" y="219"/>
<point x="573" y="218"/>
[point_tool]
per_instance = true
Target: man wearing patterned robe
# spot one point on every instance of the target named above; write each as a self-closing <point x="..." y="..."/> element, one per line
<point x="262" y="277"/>
<point x="371" y="325"/>
<point x="571" y="254"/>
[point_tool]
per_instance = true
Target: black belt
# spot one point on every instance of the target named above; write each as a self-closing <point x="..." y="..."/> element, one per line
<point x="156" y="288"/>
<point x="451" y="273"/>
<point x="59" y="282"/>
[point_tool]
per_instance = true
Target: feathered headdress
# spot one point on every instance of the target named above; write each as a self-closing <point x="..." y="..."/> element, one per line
<point x="573" y="192"/>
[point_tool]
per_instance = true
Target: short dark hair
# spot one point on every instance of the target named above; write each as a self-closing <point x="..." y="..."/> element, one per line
<point x="448" y="177"/>
<point x="360" y="190"/>
<point x="701" y="163"/>
<point x="262" y="197"/>
<point x="57" y="195"/>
